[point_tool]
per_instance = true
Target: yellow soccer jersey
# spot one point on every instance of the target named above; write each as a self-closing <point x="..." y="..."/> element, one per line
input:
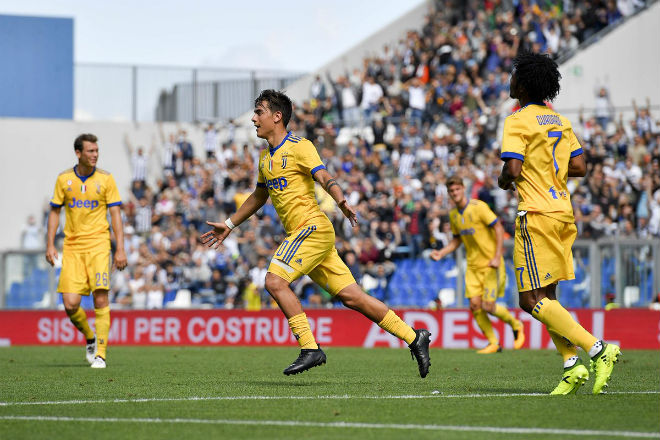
<point x="545" y="142"/>
<point x="85" y="200"/>
<point x="286" y="171"/>
<point x="474" y="227"/>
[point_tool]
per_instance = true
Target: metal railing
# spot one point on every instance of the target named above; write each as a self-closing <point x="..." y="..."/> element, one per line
<point x="622" y="270"/>
<point x="119" y="92"/>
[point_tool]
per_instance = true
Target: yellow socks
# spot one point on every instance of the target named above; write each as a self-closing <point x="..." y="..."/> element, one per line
<point x="79" y="319"/>
<point x="558" y="320"/>
<point x="392" y="324"/>
<point x="503" y="315"/>
<point x="102" y="330"/>
<point x="565" y="348"/>
<point x="485" y="325"/>
<point x="300" y="328"/>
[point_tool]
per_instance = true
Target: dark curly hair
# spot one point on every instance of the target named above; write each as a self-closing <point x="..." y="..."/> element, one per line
<point x="277" y="102"/>
<point x="538" y="75"/>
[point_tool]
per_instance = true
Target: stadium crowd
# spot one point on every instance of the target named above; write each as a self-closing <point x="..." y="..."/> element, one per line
<point x="392" y="133"/>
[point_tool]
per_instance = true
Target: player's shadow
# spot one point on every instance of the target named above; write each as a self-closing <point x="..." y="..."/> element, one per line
<point x="63" y="365"/>
<point x="290" y="384"/>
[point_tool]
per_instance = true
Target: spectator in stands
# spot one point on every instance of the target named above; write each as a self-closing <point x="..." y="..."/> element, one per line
<point x="603" y="109"/>
<point x="372" y="92"/>
<point x="184" y="145"/>
<point x="317" y="90"/>
<point x="211" y="141"/>
<point x="32" y="239"/>
<point x="139" y="160"/>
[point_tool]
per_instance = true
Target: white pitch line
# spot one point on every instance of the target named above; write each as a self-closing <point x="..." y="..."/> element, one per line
<point x="292" y="423"/>
<point x="336" y="397"/>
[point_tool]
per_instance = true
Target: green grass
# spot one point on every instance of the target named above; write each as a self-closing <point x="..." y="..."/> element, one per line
<point x="355" y="387"/>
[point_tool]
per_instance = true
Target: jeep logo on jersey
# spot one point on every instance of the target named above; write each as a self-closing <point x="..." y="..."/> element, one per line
<point x="276" y="183"/>
<point x="91" y="204"/>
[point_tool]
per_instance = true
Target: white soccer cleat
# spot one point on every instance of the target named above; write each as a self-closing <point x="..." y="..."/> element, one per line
<point x="90" y="351"/>
<point x="99" y="362"/>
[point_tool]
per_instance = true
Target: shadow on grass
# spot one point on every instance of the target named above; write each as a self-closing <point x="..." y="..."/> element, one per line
<point x="290" y="383"/>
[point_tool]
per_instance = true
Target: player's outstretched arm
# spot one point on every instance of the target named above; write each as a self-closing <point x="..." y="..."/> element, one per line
<point x="331" y="186"/>
<point x="510" y="172"/>
<point x="53" y="223"/>
<point x="221" y="230"/>
<point x="438" y="255"/>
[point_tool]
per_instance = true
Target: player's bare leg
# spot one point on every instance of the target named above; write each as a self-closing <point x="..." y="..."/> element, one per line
<point x="102" y="324"/>
<point x="311" y="354"/>
<point x="78" y="317"/>
<point x="418" y="341"/>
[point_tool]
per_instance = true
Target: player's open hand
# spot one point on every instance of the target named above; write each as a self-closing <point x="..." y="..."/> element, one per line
<point x="435" y="255"/>
<point x="215" y="236"/>
<point x="348" y="212"/>
<point x="495" y="262"/>
<point x="51" y="255"/>
<point x="120" y="260"/>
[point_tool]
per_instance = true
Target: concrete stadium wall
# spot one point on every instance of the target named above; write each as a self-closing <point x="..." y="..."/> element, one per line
<point x="626" y="61"/>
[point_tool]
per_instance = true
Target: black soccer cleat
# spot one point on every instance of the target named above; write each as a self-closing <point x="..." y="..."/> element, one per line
<point x="307" y="359"/>
<point x="419" y="349"/>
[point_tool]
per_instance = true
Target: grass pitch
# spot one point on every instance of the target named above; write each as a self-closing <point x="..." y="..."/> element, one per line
<point x="208" y="393"/>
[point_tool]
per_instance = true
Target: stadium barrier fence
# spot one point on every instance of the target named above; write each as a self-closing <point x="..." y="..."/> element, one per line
<point x="623" y="271"/>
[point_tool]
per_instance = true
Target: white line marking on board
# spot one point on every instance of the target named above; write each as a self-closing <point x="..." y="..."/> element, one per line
<point x="292" y="423"/>
<point x="337" y="397"/>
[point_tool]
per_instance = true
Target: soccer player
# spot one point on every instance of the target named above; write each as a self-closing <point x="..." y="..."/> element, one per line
<point x="287" y="171"/>
<point x="476" y="226"/>
<point x="541" y="151"/>
<point x="87" y="193"/>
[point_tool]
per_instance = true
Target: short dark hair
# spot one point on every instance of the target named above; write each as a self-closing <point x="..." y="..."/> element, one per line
<point x="85" y="137"/>
<point x="454" y="180"/>
<point x="277" y="102"/>
<point x="538" y="75"/>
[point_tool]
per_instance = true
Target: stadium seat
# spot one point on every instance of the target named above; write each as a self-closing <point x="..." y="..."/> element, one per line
<point x="181" y="301"/>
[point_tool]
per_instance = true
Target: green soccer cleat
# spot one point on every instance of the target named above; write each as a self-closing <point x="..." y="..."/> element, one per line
<point x="573" y="378"/>
<point x="603" y="364"/>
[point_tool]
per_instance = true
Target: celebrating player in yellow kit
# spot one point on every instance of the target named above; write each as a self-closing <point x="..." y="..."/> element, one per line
<point x="541" y="151"/>
<point x="477" y="227"/>
<point x="287" y="171"/>
<point x="86" y="193"/>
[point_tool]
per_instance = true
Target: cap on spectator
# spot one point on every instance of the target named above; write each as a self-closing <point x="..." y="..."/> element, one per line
<point x="129" y="230"/>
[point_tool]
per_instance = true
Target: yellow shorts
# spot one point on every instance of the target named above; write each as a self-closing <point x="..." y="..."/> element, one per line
<point x="311" y="251"/>
<point x="84" y="271"/>
<point x="486" y="282"/>
<point x="542" y="251"/>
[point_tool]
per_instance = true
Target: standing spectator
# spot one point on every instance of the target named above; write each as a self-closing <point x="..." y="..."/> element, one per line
<point x="372" y="92"/>
<point x="168" y="152"/>
<point x="185" y="146"/>
<point x="139" y="161"/>
<point x="31" y="240"/>
<point x="603" y="109"/>
<point x="317" y="90"/>
<point x="210" y="141"/>
<point x="416" y="101"/>
<point x="258" y="280"/>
